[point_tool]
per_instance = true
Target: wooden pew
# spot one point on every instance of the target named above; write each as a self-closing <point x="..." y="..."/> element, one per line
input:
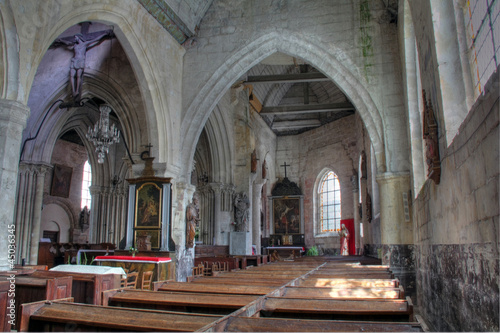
<point x="176" y="301"/>
<point x="348" y="283"/>
<point x="215" y="288"/>
<point x="240" y="281"/>
<point x="5" y="289"/>
<point x="374" y="310"/>
<point x="250" y="324"/>
<point x="343" y="293"/>
<point x="63" y="316"/>
<point x="232" y="263"/>
<point x="87" y="287"/>
<point x="31" y="289"/>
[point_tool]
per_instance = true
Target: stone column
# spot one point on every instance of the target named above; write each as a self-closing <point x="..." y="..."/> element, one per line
<point x="184" y="259"/>
<point x="256" y="208"/>
<point x="13" y="117"/>
<point x="217" y="188"/>
<point x="355" y="200"/>
<point x="29" y="210"/>
<point x="396" y="232"/>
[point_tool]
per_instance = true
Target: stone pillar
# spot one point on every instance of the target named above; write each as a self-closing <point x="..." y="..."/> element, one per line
<point x="13" y="117"/>
<point x="29" y="210"/>
<point x="256" y="208"/>
<point x="396" y="232"/>
<point x="217" y="188"/>
<point x="355" y="200"/>
<point x="184" y="259"/>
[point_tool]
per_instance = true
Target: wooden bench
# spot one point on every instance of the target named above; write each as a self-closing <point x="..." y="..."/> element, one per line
<point x="31" y="289"/>
<point x="215" y="288"/>
<point x="5" y="289"/>
<point x="249" y="324"/>
<point x="240" y="281"/>
<point x="344" y="293"/>
<point x="230" y="262"/>
<point x="87" y="287"/>
<point x="63" y="316"/>
<point x="348" y="283"/>
<point x="378" y="310"/>
<point x="176" y="301"/>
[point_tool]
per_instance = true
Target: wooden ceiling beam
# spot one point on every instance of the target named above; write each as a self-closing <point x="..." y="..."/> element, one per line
<point x="295" y="124"/>
<point x="306" y="108"/>
<point x="288" y="78"/>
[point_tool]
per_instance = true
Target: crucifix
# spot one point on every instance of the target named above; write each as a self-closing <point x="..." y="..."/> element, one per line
<point x="80" y="43"/>
<point x="285" y="165"/>
<point x="147" y="153"/>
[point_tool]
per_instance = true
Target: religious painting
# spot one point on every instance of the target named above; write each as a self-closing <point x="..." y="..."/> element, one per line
<point x="155" y="237"/>
<point x="61" y="181"/>
<point x="148" y="206"/>
<point x="286" y="215"/>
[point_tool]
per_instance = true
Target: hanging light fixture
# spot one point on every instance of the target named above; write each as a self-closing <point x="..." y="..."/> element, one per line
<point x="102" y="136"/>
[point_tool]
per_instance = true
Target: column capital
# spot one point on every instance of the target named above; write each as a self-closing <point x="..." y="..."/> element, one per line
<point x="39" y="168"/>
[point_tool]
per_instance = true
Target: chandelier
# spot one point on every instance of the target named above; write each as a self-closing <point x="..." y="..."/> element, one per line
<point x="102" y="136"/>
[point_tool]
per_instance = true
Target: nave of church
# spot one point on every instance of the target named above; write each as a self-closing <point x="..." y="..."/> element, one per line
<point x="251" y="134"/>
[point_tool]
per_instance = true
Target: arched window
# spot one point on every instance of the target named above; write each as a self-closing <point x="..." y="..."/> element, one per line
<point x="329" y="203"/>
<point x="86" y="182"/>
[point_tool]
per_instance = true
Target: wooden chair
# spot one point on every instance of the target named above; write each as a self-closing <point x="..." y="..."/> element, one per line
<point x="147" y="279"/>
<point x="132" y="280"/>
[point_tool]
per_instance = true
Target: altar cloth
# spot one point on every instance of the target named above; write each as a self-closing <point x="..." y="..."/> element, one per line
<point x="89" y="269"/>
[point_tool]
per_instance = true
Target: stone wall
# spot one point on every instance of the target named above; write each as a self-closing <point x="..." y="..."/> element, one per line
<point x="456" y="227"/>
<point x="332" y="146"/>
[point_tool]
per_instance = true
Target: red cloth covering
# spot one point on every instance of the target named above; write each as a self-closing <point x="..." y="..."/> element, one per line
<point x="153" y="259"/>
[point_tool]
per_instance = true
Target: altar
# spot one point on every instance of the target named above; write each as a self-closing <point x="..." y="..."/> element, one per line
<point x="159" y="265"/>
<point x="285" y="251"/>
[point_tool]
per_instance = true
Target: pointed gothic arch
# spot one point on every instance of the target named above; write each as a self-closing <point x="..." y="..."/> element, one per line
<point x="330" y="62"/>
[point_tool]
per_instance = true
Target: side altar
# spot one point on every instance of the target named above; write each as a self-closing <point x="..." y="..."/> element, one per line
<point x="286" y="204"/>
<point x="149" y="212"/>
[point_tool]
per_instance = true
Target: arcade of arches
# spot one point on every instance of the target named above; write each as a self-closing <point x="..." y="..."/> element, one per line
<point x="398" y="100"/>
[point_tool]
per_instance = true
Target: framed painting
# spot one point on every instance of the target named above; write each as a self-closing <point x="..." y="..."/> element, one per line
<point x="148" y="206"/>
<point x="61" y="181"/>
<point x="286" y="213"/>
<point x="155" y="237"/>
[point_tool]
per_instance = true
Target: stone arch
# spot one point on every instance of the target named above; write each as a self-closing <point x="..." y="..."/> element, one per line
<point x="220" y="147"/>
<point x="328" y="61"/>
<point x="62" y="204"/>
<point x="159" y="123"/>
<point x="9" y="58"/>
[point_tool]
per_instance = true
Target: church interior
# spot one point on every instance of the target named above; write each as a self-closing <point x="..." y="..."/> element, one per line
<point x="313" y="136"/>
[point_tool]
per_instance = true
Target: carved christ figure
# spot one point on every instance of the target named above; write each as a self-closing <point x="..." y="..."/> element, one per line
<point x="77" y="66"/>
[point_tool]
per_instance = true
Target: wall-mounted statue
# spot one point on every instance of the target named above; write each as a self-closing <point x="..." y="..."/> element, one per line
<point x="241" y="211"/>
<point x="430" y="134"/>
<point x="192" y="220"/>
